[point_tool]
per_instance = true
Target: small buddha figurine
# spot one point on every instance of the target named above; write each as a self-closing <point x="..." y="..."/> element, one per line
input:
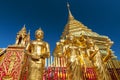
<point x="37" y="51"/>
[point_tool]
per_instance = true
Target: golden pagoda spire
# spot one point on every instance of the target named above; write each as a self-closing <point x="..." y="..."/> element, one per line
<point x="29" y="32"/>
<point x="24" y="28"/>
<point x="28" y="36"/>
<point x="70" y="17"/>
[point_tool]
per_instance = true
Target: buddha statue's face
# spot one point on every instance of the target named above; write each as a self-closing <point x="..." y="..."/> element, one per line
<point x="39" y="34"/>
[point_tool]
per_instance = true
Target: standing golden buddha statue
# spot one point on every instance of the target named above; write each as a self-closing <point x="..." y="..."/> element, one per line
<point x="37" y="51"/>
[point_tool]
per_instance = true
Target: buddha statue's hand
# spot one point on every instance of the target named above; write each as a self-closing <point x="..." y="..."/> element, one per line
<point x="35" y="57"/>
<point x="45" y="55"/>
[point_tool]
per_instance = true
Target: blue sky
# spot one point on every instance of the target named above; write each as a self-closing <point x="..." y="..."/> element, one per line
<point x="102" y="16"/>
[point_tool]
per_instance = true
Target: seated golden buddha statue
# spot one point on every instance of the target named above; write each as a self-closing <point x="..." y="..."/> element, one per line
<point x="37" y="51"/>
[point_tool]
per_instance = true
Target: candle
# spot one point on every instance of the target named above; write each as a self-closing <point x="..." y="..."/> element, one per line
<point x="48" y="62"/>
<point x="45" y="62"/>
<point x="51" y="61"/>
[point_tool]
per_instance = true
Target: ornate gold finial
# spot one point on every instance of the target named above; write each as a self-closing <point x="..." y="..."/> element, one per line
<point x="23" y="30"/>
<point x="24" y="25"/>
<point x="70" y="14"/>
<point x="28" y="36"/>
<point x="29" y="32"/>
